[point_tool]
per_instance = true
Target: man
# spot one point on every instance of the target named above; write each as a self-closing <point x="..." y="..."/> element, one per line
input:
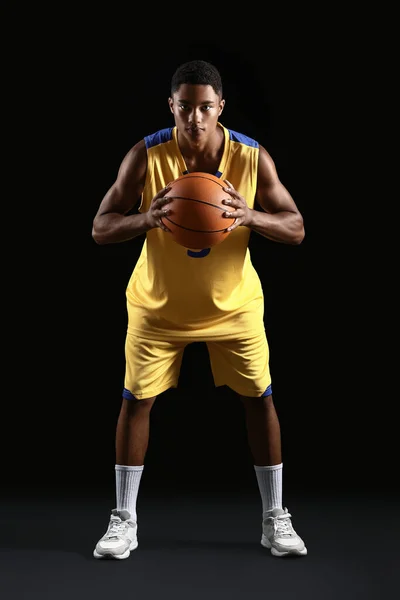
<point x="176" y="296"/>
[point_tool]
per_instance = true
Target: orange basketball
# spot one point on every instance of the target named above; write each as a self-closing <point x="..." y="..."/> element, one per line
<point x="196" y="219"/>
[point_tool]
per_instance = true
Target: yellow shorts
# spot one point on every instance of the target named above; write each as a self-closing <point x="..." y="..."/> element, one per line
<point x="153" y="366"/>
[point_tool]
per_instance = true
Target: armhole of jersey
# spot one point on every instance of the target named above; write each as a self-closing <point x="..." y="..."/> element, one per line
<point x="255" y="171"/>
<point x="147" y="179"/>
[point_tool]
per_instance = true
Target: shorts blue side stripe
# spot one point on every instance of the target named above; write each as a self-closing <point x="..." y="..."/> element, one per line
<point x="127" y="394"/>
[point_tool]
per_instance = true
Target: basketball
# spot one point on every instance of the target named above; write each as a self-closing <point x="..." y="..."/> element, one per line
<point x="197" y="219"/>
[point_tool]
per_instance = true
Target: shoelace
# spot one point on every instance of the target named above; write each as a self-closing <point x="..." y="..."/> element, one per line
<point x="283" y="525"/>
<point x="116" y="528"/>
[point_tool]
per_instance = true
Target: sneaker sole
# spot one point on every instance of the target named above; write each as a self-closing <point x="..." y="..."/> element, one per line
<point x="292" y="552"/>
<point x="108" y="555"/>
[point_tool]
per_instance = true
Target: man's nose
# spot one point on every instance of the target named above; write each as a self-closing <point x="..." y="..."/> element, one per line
<point x="195" y="116"/>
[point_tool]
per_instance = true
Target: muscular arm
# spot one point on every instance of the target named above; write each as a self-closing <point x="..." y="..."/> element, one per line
<point x="280" y="219"/>
<point x="112" y="224"/>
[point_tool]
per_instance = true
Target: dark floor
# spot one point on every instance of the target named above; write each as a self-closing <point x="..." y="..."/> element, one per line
<point x="199" y="548"/>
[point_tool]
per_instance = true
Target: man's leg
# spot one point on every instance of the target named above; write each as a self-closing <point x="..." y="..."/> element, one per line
<point x="132" y="434"/>
<point x="264" y="437"/>
<point x="152" y="367"/>
<point x="263" y="430"/>
<point x="132" y="438"/>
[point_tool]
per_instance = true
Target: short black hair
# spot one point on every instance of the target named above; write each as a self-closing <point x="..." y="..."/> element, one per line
<point x="198" y="72"/>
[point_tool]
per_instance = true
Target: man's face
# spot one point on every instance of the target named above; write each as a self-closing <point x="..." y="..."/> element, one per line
<point x="196" y="109"/>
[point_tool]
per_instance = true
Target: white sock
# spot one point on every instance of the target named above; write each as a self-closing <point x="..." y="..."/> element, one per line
<point x="270" y="485"/>
<point x="127" y="480"/>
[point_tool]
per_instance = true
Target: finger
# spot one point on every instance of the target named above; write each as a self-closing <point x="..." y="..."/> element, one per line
<point x="162" y="226"/>
<point x="161" y="193"/>
<point x="234" y="214"/>
<point x="234" y="225"/>
<point x="228" y="201"/>
<point x="158" y="214"/>
<point x="232" y="194"/>
<point x="228" y="183"/>
<point x="160" y="202"/>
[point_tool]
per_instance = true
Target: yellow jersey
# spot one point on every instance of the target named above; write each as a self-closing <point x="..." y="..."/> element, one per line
<point x="175" y="292"/>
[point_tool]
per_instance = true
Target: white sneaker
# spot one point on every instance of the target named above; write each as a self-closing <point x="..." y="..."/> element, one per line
<point x="279" y="535"/>
<point x="120" y="537"/>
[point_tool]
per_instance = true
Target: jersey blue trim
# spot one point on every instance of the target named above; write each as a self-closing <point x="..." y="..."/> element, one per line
<point x="165" y="135"/>
<point x="159" y="137"/>
<point x="268" y="391"/>
<point x="199" y="253"/>
<point x="234" y="136"/>
<point x="217" y="174"/>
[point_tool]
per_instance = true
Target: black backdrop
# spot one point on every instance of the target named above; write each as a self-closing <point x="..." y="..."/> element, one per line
<point x="86" y="99"/>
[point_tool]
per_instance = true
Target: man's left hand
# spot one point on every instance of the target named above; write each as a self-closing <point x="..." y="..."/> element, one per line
<point x="242" y="213"/>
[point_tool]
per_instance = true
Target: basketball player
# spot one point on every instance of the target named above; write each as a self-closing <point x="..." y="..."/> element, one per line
<point x="220" y="303"/>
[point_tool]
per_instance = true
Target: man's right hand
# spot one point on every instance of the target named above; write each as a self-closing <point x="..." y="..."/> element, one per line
<point x="157" y="210"/>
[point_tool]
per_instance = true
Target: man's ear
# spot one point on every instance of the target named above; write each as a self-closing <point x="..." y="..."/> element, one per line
<point x="221" y="106"/>
<point x="171" y="104"/>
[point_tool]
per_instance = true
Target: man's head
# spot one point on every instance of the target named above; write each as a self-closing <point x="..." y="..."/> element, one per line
<point x="196" y="99"/>
<point x="197" y="72"/>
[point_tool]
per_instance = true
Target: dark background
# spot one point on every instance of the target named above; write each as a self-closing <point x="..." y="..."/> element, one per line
<point x="87" y="99"/>
<point x="314" y="85"/>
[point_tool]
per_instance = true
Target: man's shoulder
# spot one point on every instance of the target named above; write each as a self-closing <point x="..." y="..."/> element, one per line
<point x="158" y="137"/>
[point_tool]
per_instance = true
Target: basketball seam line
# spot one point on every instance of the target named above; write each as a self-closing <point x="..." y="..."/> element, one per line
<point x="200" y="201"/>
<point x="196" y="230"/>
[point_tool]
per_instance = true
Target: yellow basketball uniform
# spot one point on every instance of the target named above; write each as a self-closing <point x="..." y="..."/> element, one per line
<point x="176" y="296"/>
